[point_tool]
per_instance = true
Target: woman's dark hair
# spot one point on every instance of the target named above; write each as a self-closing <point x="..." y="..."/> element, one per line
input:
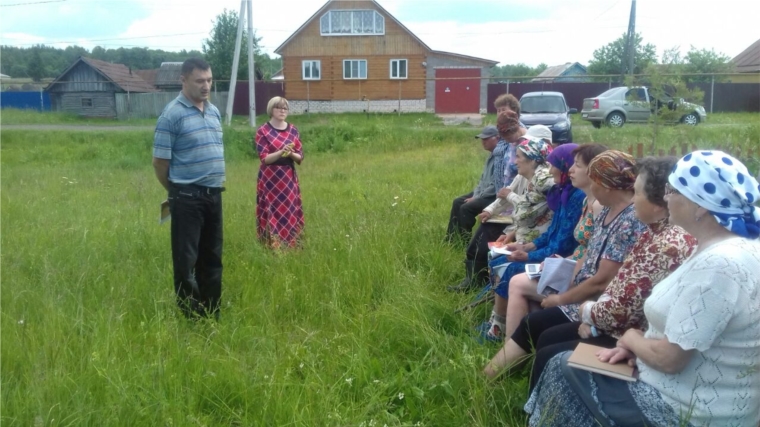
<point x="656" y="171"/>
<point x="589" y="151"/>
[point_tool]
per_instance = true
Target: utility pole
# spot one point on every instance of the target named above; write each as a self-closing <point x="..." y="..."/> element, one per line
<point x="235" y="63"/>
<point x="630" y="46"/>
<point x="251" y="69"/>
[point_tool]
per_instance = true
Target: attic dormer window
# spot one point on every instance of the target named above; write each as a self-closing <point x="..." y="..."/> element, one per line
<point x="352" y="23"/>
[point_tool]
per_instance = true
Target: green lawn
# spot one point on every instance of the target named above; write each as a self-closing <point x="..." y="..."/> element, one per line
<point x="355" y="329"/>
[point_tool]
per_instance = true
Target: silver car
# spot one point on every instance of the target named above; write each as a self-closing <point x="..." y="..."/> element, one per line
<point x="622" y="104"/>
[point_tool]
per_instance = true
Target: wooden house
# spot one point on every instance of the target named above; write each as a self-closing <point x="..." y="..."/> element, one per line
<point x="565" y="73"/>
<point x="748" y="64"/>
<point x="352" y="55"/>
<point x="89" y="86"/>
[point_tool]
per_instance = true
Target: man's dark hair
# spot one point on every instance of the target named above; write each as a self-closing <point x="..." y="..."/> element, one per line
<point x="656" y="171"/>
<point x="191" y="64"/>
<point x="587" y="152"/>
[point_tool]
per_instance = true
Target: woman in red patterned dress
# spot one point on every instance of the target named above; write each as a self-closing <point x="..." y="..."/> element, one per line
<point x="279" y="215"/>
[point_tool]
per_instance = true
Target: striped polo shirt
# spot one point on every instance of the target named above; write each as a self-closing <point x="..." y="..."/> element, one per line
<point x="192" y="141"/>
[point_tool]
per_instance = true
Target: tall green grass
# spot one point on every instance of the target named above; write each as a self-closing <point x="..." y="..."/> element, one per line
<point x="355" y="329"/>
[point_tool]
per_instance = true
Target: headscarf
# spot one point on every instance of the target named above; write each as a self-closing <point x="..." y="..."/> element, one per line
<point x="614" y="170"/>
<point x="507" y="123"/>
<point x="563" y="159"/>
<point x="721" y="184"/>
<point x="535" y="149"/>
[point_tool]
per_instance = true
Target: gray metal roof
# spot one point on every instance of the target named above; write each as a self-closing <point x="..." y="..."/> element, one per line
<point x="169" y="74"/>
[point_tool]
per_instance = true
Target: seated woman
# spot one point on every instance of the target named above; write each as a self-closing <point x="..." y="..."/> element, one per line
<point x="527" y="194"/>
<point x="658" y="252"/>
<point x="476" y="256"/>
<point x="567" y="203"/>
<point x="522" y="289"/>
<point x="613" y="174"/>
<point x="698" y="360"/>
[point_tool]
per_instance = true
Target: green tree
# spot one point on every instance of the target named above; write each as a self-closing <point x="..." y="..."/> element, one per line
<point x="609" y="58"/>
<point x="706" y="61"/>
<point x="219" y="48"/>
<point x="36" y="68"/>
<point x="517" y="70"/>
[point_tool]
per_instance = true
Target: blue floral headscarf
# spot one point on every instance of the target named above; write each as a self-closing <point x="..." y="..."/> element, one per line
<point x="721" y="184"/>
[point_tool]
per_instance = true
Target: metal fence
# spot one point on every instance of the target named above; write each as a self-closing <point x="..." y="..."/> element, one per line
<point x="719" y="97"/>
<point x="150" y="105"/>
<point x="39" y="101"/>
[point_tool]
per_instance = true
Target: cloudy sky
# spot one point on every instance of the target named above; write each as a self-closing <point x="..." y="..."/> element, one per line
<point x="508" y="31"/>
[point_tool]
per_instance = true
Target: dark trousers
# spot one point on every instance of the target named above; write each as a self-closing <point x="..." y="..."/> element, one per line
<point x="197" y="237"/>
<point x="462" y="216"/>
<point x="558" y="339"/>
<point x="477" y="250"/>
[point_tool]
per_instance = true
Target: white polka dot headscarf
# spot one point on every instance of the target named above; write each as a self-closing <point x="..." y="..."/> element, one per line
<point x="722" y="185"/>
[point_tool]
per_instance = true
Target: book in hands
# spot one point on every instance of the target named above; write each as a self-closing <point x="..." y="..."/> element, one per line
<point x="556" y="274"/>
<point x="499" y="248"/>
<point x="584" y="357"/>
<point x="501" y="219"/>
<point x="165" y="214"/>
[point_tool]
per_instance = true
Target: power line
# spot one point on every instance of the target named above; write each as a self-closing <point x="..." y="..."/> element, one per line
<point x="31" y="3"/>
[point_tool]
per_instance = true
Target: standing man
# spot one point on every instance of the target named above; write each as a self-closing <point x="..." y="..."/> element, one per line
<point x="188" y="158"/>
<point x="465" y="208"/>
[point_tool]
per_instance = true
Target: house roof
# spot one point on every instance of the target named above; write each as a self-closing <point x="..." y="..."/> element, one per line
<point x="470" y="58"/>
<point x="324" y="7"/>
<point x="169" y="74"/>
<point x="118" y="74"/>
<point x="559" y="70"/>
<point x="148" y="75"/>
<point x="4" y="76"/>
<point x="749" y="60"/>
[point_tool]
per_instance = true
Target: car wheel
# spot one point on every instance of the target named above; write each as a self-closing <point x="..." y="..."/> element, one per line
<point x="596" y="124"/>
<point x="615" y="120"/>
<point x="691" y="119"/>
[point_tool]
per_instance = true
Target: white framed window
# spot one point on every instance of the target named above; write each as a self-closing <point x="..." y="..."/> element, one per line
<point x="311" y="69"/>
<point x="399" y="68"/>
<point x="352" y="23"/>
<point x="354" y="69"/>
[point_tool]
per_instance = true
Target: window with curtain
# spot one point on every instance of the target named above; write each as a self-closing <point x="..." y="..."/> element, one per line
<point x="354" y="69"/>
<point x="352" y="22"/>
<point x="398" y="68"/>
<point x="311" y="69"/>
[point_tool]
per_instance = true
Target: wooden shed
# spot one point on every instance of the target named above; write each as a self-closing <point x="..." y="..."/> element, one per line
<point x="89" y="86"/>
<point x="352" y="55"/>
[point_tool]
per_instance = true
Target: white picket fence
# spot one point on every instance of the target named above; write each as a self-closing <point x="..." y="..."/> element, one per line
<point x="150" y="105"/>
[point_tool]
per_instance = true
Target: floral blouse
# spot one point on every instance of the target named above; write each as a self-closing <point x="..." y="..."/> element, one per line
<point x="611" y="242"/>
<point x="583" y="231"/>
<point x="658" y="252"/>
<point x="531" y="215"/>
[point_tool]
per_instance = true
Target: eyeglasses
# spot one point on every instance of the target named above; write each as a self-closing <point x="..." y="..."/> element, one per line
<point x="669" y="190"/>
<point x="282" y="108"/>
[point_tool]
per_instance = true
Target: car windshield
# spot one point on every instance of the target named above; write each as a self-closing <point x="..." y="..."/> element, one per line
<point x="611" y="92"/>
<point x="542" y="104"/>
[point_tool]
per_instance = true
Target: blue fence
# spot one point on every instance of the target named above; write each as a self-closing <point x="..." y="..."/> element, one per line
<point x="39" y="101"/>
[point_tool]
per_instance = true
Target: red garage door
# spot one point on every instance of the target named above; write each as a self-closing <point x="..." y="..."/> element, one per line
<point x="458" y="95"/>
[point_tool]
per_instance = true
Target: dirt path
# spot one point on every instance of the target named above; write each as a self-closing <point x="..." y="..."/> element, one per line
<point x="85" y="128"/>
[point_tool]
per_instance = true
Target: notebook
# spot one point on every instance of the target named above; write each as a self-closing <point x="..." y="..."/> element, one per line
<point x="584" y="357"/>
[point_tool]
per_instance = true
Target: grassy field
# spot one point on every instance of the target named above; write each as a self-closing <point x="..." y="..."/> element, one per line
<point x="354" y="330"/>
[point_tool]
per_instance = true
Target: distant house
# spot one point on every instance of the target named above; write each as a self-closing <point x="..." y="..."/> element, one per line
<point x="354" y="55"/>
<point x="149" y="76"/>
<point x="748" y="63"/>
<point x="4" y="76"/>
<point x="89" y="86"/>
<point x="168" y="77"/>
<point x="279" y="75"/>
<point x="568" y="72"/>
